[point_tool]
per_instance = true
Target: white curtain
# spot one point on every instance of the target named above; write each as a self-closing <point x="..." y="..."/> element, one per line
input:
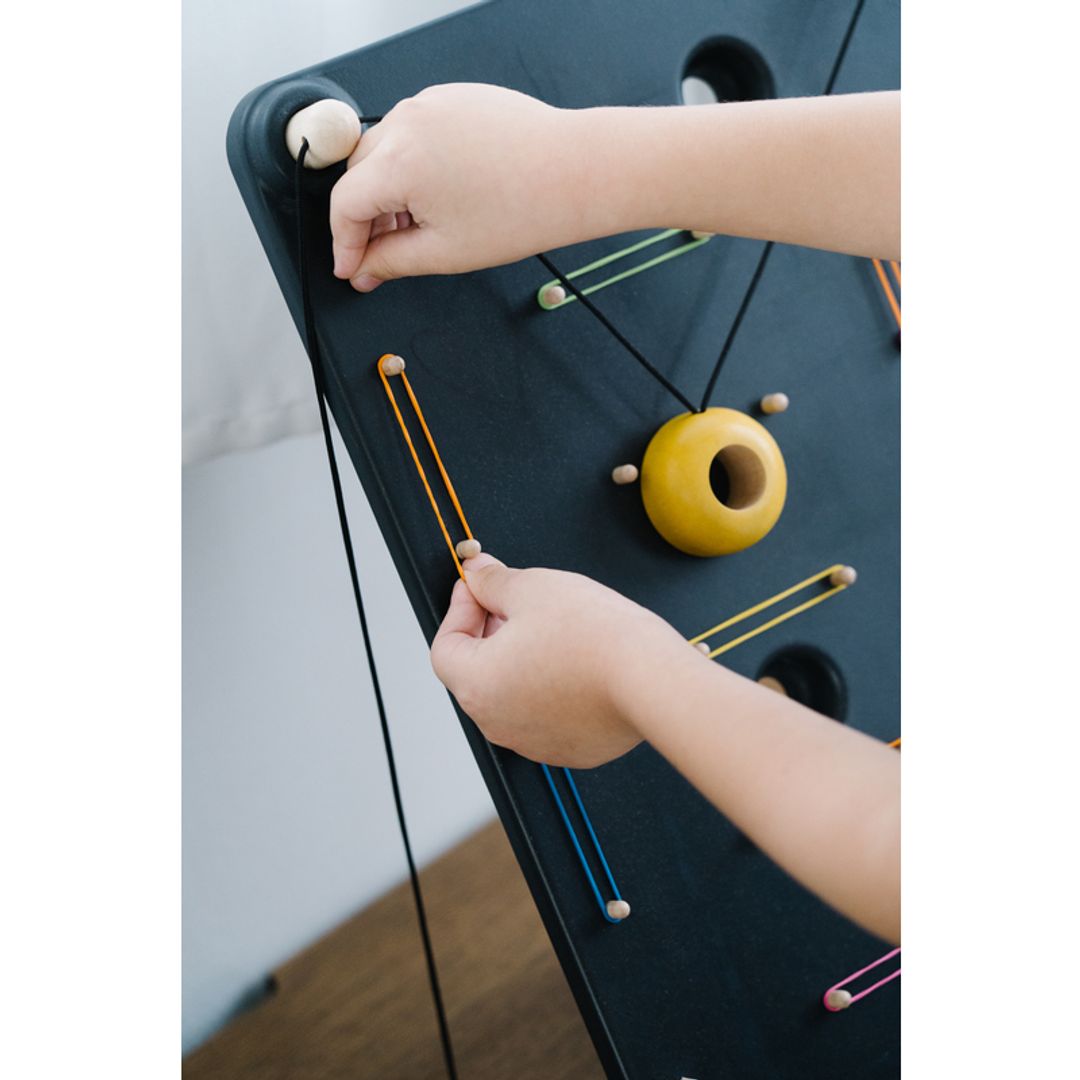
<point x="245" y="379"/>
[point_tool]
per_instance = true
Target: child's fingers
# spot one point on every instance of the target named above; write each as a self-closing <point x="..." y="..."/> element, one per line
<point x="397" y="253"/>
<point x="357" y="200"/>
<point x="384" y="223"/>
<point x="461" y="631"/>
<point x="465" y="615"/>
<point x="494" y="585"/>
<point x="350" y="242"/>
<point x="367" y="142"/>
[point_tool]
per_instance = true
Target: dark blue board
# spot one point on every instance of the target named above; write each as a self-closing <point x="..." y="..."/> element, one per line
<point x="719" y="971"/>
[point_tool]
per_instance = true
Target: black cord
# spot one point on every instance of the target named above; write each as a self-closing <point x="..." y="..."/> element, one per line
<point x="616" y="333"/>
<point x="729" y="341"/>
<point x="844" y="47"/>
<point x="311" y="341"/>
<point x="767" y="250"/>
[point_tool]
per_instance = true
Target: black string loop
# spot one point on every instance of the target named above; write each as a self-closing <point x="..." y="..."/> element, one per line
<point x="744" y="305"/>
<point x="616" y="333"/>
<point x="311" y="342"/>
<point x="767" y="250"/>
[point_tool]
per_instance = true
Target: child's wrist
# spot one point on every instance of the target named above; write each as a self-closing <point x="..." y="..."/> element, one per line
<point x="648" y="674"/>
<point x="607" y="150"/>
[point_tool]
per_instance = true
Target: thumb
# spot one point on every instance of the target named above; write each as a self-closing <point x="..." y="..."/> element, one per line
<point x="492" y="584"/>
<point x="455" y="643"/>
<point x="400" y="253"/>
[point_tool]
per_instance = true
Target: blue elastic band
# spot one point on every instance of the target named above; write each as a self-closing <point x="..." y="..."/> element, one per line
<point x="577" y="844"/>
<point x="592" y="833"/>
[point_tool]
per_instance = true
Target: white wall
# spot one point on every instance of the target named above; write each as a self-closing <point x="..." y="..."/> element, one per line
<point x="288" y="819"/>
<point x="244" y="379"/>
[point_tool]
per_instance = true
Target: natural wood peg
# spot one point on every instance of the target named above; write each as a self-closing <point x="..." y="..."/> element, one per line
<point x="392" y="365"/>
<point x="332" y="130"/>
<point x="554" y="295"/>
<point x="843" y="575"/>
<point x="618" y="909"/>
<point x="703" y="647"/>
<point x="468" y="549"/>
<point x="837" y="999"/>
<point x="773" y="684"/>
<point x="774" y="403"/>
<point x="624" y="474"/>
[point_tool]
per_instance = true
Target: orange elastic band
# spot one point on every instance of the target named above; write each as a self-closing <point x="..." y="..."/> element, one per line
<point x="416" y="460"/>
<point x="889" y="294"/>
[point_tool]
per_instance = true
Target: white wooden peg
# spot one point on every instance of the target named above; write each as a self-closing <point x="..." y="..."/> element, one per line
<point x="468" y="549"/>
<point x="843" y="575"/>
<point x="618" y="909"/>
<point x="624" y="474"/>
<point x="837" y="1000"/>
<point x="697" y="234"/>
<point x="703" y="647"/>
<point x="774" y="403"/>
<point x="393" y="365"/>
<point x="332" y="130"/>
<point x="554" y="295"/>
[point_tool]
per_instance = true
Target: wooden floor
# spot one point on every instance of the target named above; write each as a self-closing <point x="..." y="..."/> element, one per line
<point x="356" y="1004"/>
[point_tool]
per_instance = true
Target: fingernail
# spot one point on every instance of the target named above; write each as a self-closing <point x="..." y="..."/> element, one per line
<point x="365" y="283"/>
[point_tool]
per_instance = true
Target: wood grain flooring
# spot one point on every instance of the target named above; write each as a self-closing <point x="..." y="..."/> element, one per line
<point x="356" y="1003"/>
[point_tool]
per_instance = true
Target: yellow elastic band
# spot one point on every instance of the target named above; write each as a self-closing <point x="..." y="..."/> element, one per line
<point x="416" y="460"/>
<point x="751" y="611"/>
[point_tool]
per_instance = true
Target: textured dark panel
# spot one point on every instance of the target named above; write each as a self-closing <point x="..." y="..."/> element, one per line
<point x="720" y="969"/>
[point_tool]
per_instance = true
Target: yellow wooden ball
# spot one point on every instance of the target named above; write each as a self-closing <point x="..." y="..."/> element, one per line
<point x="679" y="496"/>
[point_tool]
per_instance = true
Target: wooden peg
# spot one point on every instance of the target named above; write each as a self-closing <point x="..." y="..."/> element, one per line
<point x="772" y="684"/>
<point x="774" y="403"/>
<point x="468" y="549"/>
<point x="843" y="575"/>
<point x="618" y="909"/>
<point x="703" y="647"/>
<point x="392" y="365"/>
<point x="837" y="1000"/>
<point x="554" y="295"/>
<point x="697" y="234"/>
<point x="624" y="474"/>
<point x="332" y="130"/>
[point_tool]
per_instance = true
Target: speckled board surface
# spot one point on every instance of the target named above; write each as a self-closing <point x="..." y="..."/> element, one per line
<point x="531" y="410"/>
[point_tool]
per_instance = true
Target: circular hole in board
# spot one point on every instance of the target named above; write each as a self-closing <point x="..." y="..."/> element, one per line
<point x="737" y="477"/>
<point x="808" y="676"/>
<point x="725" y="69"/>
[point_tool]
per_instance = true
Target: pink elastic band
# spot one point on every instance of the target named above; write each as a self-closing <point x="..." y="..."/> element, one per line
<point x="862" y="971"/>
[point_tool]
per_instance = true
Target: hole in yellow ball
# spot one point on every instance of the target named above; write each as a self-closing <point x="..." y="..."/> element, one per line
<point x="737" y="477"/>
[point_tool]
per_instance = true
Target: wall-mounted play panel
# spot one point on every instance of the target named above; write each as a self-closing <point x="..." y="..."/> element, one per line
<point x="720" y="968"/>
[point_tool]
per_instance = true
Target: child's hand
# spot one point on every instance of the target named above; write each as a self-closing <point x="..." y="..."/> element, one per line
<point x="466" y="176"/>
<point x="457" y="178"/>
<point x="536" y="657"/>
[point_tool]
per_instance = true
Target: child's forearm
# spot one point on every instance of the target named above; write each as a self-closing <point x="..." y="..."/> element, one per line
<point x="465" y="176"/>
<point x="820" y="799"/>
<point x="823" y="172"/>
